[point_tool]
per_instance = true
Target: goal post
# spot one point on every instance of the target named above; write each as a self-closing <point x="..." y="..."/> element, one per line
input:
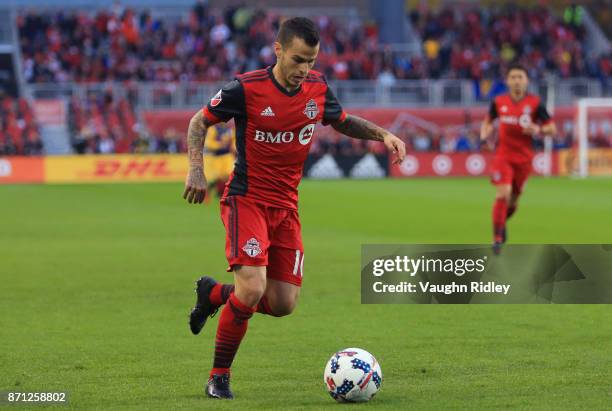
<point x="548" y="140"/>
<point x="583" y="128"/>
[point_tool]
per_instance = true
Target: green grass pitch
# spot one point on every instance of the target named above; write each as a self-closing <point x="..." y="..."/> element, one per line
<point x="97" y="282"/>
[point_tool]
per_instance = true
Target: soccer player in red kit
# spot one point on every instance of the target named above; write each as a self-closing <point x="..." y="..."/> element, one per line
<point x="522" y="116"/>
<point x="275" y="111"/>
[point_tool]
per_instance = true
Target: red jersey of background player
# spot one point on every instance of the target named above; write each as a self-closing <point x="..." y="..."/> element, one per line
<point x="514" y="144"/>
<point x="274" y="129"/>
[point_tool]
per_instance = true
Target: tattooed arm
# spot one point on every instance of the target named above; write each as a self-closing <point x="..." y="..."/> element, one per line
<point x="195" y="184"/>
<point x="357" y="127"/>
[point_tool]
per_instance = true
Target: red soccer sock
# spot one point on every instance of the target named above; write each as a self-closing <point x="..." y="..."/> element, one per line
<point x="264" y="307"/>
<point x="220" y="293"/>
<point x="219" y="371"/>
<point x="500" y="210"/>
<point x="232" y="327"/>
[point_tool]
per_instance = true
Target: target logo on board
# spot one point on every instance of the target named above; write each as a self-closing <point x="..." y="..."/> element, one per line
<point x="5" y="168"/>
<point x="442" y="164"/>
<point x="475" y="164"/>
<point x="410" y="166"/>
<point x="540" y="163"/>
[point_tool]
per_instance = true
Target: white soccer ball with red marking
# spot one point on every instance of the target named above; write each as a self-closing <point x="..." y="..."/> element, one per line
<point x="352" y="375"/>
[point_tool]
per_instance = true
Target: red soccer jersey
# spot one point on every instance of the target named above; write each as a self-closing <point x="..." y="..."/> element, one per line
<point x="514" y="144"/>
<point x="274" y="129"/>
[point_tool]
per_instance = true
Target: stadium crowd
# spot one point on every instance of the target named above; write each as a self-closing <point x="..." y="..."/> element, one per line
<point x="19" y="134"/>
<point x="479" y="43"/>
<point x="211" y="45"/>
<point x="120" y="44"/>
<point x="101" y="124"/>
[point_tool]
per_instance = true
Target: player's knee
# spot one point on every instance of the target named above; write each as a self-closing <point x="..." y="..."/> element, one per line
<point x="249" y="296"/>
<point x="250" y="286"/>
<point x="503" y="193"/>
<point x="283" y="308"/>
<point x="503" y="196"/>
<point x="251" y="292"/>
<point x="282" y="304"/>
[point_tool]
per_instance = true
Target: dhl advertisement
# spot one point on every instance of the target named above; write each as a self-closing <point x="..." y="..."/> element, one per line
<point x="115" y="168"/>
<point x="599" y="162"/>
<point x="93" y="169"/>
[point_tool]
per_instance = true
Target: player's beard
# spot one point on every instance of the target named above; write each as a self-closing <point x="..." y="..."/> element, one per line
<point x="297" y="79"/>
<point x="288" y="77"/>
<point x="519" y="91"/>
<point x="295" y="82"/>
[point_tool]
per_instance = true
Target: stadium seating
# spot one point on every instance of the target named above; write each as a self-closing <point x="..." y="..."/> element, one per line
<point x="108" y="46"/>
<point x="471" y="43"/>
<point x="102" y="125"/>
<point x="19" y="134"/>
<point x="208" y="45"/>
<point x="214" y="45"/>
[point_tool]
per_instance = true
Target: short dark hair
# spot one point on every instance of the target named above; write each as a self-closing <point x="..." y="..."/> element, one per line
<point x="517" y="66"/>
<point x="299" y="27"/>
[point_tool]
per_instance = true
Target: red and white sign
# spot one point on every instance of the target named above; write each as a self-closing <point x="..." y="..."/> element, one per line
<point x="459" y="165"/>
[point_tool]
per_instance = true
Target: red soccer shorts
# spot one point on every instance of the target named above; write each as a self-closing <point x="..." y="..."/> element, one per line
<point x="508" y="172"/>
<point x="259" y="235"/>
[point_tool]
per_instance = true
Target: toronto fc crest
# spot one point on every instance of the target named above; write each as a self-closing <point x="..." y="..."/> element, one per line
<point x="214" y="102"/>
<point x="252" y="248"/>
<point x="311" y="110"/>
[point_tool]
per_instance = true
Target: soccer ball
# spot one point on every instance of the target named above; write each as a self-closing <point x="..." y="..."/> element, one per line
<point x="352" y="375"/>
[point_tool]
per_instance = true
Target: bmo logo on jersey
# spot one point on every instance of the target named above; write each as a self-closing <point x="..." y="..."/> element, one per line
<point x="280" y="137"/>
<point x="523" y="120"/>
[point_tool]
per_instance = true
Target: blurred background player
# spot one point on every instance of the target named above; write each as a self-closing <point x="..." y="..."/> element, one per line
<point x="219" y="149"/>
<point x="522" y="116"/>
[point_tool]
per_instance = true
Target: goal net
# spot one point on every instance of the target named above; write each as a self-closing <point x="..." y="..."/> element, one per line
<point x="593" y="138"/>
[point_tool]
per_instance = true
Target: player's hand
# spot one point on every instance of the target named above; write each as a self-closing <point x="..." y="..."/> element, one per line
<point x="486" y="131"/>
<point x="396" y="146"/>
<point x="532" y="129"/>
<point x="195" y="186"/>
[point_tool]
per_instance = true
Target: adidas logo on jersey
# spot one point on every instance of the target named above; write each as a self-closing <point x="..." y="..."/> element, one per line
<point x="268" y="112"/>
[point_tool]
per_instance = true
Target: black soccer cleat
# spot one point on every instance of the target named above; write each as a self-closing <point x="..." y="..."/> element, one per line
<point x="204" y="308"/>
<point x="219" y="387"/>
<point x="504" y="236"/>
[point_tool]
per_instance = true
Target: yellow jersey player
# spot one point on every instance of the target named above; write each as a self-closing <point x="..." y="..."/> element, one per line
<point x="219" y="155"/>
